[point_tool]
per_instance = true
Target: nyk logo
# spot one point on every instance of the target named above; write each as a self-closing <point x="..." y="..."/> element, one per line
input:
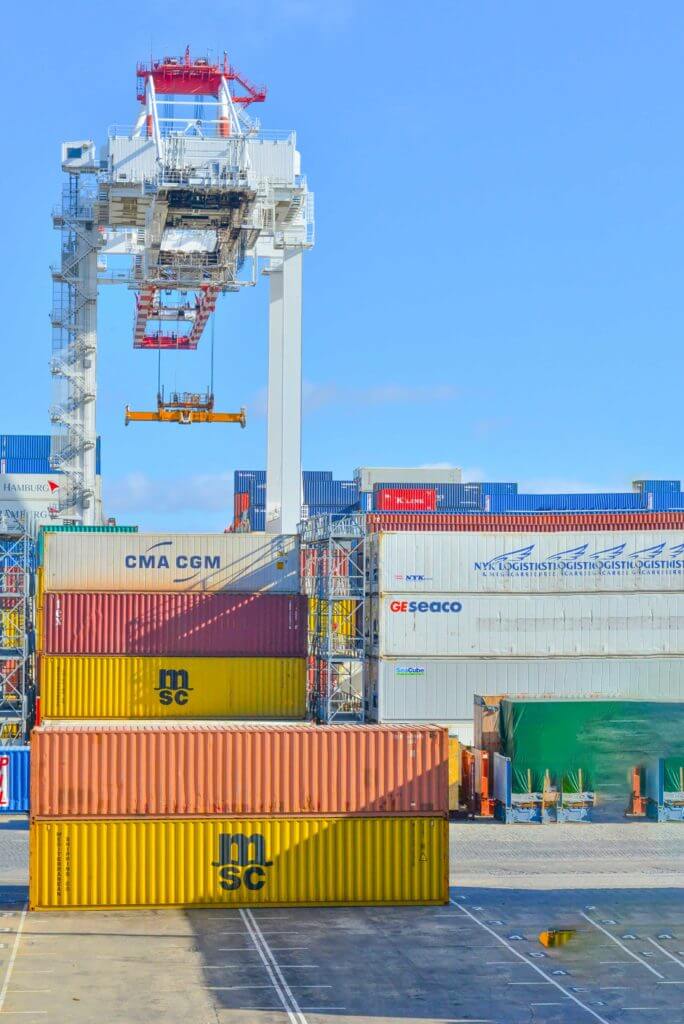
<point x="241" y="861"/>
<point x="174" y="686"/>
<point x="425" y="606"/>
<point x="166" y="559"/>
<point x="413" y="577"/>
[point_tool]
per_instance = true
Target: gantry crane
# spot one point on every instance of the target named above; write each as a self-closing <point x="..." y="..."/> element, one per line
<point x="195" y="199"/>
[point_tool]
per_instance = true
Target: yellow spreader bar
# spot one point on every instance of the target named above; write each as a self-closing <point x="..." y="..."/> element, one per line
<point x="185" y="416"/>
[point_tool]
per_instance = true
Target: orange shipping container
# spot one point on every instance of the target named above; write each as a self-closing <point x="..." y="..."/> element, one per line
<point x="164" y="768"/>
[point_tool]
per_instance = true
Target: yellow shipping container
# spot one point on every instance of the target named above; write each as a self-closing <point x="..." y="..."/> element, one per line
<point x="344" y="617"/>
<point x="11" y="628"/>
<point x="98" y="686"/>
<point x="454" y="773"/>
<point x="200" y="862"/>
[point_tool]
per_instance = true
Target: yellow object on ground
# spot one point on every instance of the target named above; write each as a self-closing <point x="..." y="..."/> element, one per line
<point x="199" y="862"/>
<point x="556" y="937"/>
<point x="454" y="773"/>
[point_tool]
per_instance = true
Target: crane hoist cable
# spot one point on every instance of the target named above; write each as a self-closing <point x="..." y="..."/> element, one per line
<point x="186" y="407"/>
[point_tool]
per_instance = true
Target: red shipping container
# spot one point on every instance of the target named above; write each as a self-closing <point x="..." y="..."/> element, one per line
<point x="534" y="522"/>
<point x="201" y="768"/>
<point x="240" y="503"/>
<point x="406" y="499"/>
<point x="215" y="624"/>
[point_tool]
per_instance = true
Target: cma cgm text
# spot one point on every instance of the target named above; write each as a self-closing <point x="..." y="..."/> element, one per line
<point x="425" y="606"/>
<point x="179" y="562"/>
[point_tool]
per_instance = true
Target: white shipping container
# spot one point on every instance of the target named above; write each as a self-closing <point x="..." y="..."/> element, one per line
<point x="238" y="562"/>
<point x="582" y="561"/>
<point x="442" y="690"/>
<point x="448" y="625"/>
<point x="404" y="475"/>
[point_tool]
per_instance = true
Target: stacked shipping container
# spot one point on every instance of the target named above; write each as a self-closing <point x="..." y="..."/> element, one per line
<point x="171" y="626"/>
<point x="579" y="611"/>
<point x="186" y="627"/>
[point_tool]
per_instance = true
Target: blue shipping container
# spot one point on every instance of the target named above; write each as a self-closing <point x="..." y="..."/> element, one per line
<point x="330" y="492"/>
<point x="24" y="446"/>
<point x="30" y="453"/>
<point x="661" y="486"/>
<point x="448" y="496"/>
<point x="602" y="502"/>
<point x="244" y="478"/>
<point x="257" y="519"/>
<point x="14" y="780"/>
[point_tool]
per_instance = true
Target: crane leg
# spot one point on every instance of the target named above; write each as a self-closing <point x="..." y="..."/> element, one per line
<point x="284" y="443"/>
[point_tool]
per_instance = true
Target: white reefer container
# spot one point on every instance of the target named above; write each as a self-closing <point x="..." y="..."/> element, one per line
<point x="366" y="476"/>
<point x="237" y="562"/>
<point x="448" y="625"/>
<point x="442" y="689"/>
<point x="583" y="561"/>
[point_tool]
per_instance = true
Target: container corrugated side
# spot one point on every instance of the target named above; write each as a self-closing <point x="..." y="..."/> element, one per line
<point x="217" y="624"/>
<point x="579" y="561"/>
<point x="78" y="529"/>
<point x="121" y="687"/>
<point x="443" y="690"/>
<point x="162" y="562"/>
<point x="14" y="779"/>
<point x="195" y="862"/>
<point x="201" y="768"/>
<point x="443" y="625"/>
<point x="543" y="522"/>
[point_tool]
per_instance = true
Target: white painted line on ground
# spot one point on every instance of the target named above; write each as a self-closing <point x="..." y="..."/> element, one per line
<point x="5" y="1012"/>
<point x="635" y="956"/>
<point x="234" y="988"/>
<point x="667" y="952"/>
<point x="284" y="991"/>
<point x="13" y="957"/>
<point x="535" y="967"/>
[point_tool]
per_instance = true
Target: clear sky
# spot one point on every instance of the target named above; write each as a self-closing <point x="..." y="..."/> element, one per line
<point x="497" y="279"/>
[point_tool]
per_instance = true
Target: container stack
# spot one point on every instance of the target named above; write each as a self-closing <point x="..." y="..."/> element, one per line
<point x="171" y="626"/>
<point x="143" y="814"/>
<point x="320" y="493"/>
<point x="145" y="794"/>
<point x="586" y="610"/>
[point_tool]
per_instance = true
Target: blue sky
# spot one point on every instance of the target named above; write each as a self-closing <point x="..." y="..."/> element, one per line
<point x="497" y="280"/>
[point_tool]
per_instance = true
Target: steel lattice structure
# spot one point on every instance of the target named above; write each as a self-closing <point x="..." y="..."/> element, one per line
<point x="17" y="557"/>
<point x="333" y="560"/>
<point x="197" y="199"/>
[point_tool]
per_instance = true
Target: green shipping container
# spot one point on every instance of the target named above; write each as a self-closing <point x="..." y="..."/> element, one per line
<point x="674" y="774"/>
<point x="78" y="529"/>
<point x="587" y="744"/>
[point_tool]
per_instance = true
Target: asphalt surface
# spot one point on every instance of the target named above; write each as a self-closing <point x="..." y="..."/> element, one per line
<point x="620" y="888"/>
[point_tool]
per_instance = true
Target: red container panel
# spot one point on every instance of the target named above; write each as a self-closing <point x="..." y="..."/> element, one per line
<point x="534" y="522"/>
<point x="210" y="624"/>
<point x="240" y="502"/>
<point x="166" y="768"/>
<point x="406" y="499"/>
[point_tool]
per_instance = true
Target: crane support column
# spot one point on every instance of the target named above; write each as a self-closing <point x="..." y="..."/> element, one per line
<point x="284" y="446"/>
